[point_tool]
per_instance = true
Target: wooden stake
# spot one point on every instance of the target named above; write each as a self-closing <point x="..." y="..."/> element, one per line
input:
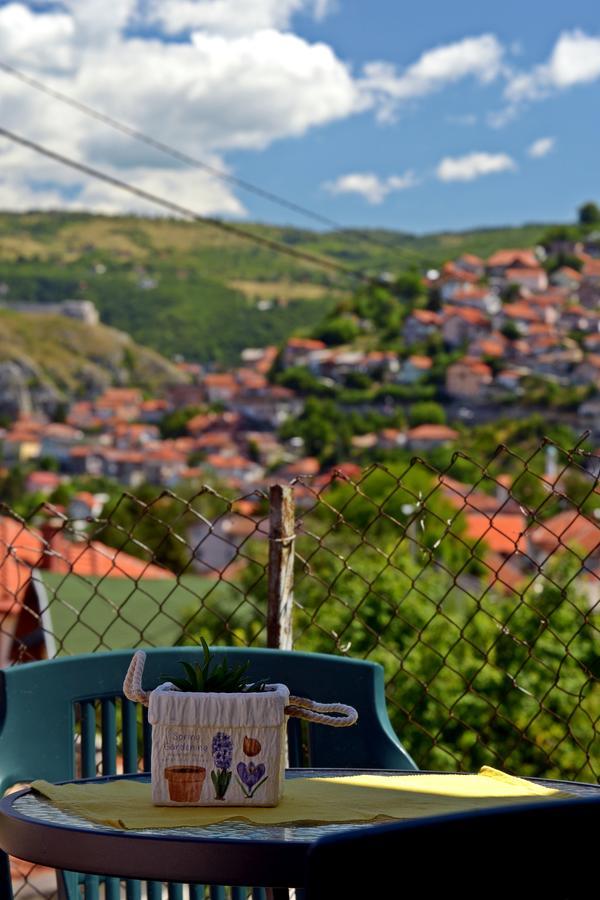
<point x="281" y="567"/>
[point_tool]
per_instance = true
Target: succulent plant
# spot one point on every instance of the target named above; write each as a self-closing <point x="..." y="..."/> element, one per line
<point x="208" y="676"/>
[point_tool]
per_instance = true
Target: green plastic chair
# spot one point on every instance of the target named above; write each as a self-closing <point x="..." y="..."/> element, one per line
<point x="45" y="706"/>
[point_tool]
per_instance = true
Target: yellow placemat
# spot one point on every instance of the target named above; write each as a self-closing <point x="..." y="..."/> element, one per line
<point x="306" y="801"/>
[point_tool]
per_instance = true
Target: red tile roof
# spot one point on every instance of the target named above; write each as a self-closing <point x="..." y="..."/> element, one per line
<point x="501" y="532"/>
<point x="21" y="550"/>
<point x="93" y="558"/>
<point x="472" y="316"/>
<point x="420" y="362"/>
<point x="569" y="528"/>
<point x="305" y="344"/>
<point x="427" y="316"/>
<point x="432" y="433"/>
<point x="506" y="258"/>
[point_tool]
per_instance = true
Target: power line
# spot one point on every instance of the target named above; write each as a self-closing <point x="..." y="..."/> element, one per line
<point x="179" y="155"/>
<point x="177" y="208"/>
<point x="189" y="160"/>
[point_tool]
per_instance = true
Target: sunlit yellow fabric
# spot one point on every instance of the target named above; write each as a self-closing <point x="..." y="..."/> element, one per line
<point x="306" y="801"/>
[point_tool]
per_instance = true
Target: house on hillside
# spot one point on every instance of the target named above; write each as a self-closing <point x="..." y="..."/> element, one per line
<point x="468" y="377"/>
<point x="589" y="288"/>
<point x="427" y="437"/>
<point x="500" y="262"/>
<point x="530" y="279"/>
<point x="566" y="278"/>
<point x="480" y="298"/>
<point x="220" y="387"/>
<point x="414" y="369"/>
<point x="461" y="326"/>
<point x="468" y="262"/>
<point x="420" y="324"/>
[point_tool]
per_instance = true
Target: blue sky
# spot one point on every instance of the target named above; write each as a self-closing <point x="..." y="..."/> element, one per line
<point x="419" y="117"/>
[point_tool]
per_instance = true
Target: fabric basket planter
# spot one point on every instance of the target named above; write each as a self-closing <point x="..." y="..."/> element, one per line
<point x="222" y="749"/>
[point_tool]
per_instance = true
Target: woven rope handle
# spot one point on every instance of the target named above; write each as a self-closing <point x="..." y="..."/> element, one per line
<point x="302" y="708"/>
<point x="299" y="707"/>
<point x="132" y="686"/>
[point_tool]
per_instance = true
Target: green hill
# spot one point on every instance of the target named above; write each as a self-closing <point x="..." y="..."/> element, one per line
<point x="46" y="360"/>
<point x="183" y="287"/>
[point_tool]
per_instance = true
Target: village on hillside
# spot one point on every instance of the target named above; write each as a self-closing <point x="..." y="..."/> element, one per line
<point x="504" y="324"/>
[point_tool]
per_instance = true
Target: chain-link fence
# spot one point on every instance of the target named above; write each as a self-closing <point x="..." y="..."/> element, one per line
<point x="476" y="585"/>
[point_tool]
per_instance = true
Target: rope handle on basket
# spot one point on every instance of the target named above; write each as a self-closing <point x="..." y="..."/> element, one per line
<point x="302" y="708"/>
<point x="299" y="707"/>
<point x="132" y="686"/>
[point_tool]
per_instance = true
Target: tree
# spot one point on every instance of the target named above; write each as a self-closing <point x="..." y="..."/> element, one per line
<point x="589" y="214"/>
<point x="338" y="330"/>
<point x="173" y="425"/>
<point x="426" y="414"/>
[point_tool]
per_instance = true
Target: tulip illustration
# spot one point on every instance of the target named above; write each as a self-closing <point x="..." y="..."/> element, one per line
<point x="250" y="777"/>
<point x="252" y="747"/>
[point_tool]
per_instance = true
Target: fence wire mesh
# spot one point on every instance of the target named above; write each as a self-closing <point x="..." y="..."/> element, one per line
<point x="476" y="586"/>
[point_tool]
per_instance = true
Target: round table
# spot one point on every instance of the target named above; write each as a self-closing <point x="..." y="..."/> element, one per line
<point x="233" y="853"/>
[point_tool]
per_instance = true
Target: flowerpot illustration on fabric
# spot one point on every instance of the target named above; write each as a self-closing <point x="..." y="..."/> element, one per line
<point x="222" y="752"/>
<point x="251" y="777"/>
<point x="252" y="747"/>
<point x="185" y="783"/>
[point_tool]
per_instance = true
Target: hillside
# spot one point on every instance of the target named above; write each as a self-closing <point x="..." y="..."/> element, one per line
<point x="182" y="287"/>
<point x="48" y="359"/>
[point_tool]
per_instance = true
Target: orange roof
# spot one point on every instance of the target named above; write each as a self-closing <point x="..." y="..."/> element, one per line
<point x="420" y="362"/>
<point x="506" y="258"/>
<point x="501" y="532"/>
<point x="470" y="259"/>
<point x="93" y="558"/>
<point x="521" y="311"/>
<point x="305" y="344"/>
<point x="461" y="275"/>
<point x="85" y="497"/>
<point x="220" y="379"/>
<point x="591" y="268"/>
<point x="228" y="462"/>
<point x="43" y="479"/>
<point x="472" y="316"/>
<point x="568" y="272"/>
<point x="471" y="294"/>
<point x="200" y="422"/>
<point x="154" y="405"/>
<point x="432" y="433"/>
<point x="568" y="529"/>
<point x="473" y="365"/>
<point x="310" y="465"/>
<point x="490" y="347"/>
<point x="21" y="550"/>
<point x="426" y="316"/>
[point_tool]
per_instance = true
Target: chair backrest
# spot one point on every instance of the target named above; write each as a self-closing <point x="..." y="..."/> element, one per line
<point x="545" y="848"/>
<point x="52" y="713"/>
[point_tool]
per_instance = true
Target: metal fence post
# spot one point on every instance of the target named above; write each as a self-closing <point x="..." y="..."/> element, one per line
<point x="281" y="567"/>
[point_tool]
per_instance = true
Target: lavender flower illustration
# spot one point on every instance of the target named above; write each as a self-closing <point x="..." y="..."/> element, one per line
<point x="222" y="752"/>
<point x="250" y="777"/>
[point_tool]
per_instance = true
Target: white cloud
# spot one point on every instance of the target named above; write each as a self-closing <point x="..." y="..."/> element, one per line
<point x="473" y="165"/>
<point x="575" y="59"/>
<point x="370" y="186"/>
<point x="234" y="79"/>
<point x="231" y="16"/>
<point x="205" y="95"/>
<point x="477" y="57"/>
<point x="42" y="40"/>
<point x="542" y="147"/>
